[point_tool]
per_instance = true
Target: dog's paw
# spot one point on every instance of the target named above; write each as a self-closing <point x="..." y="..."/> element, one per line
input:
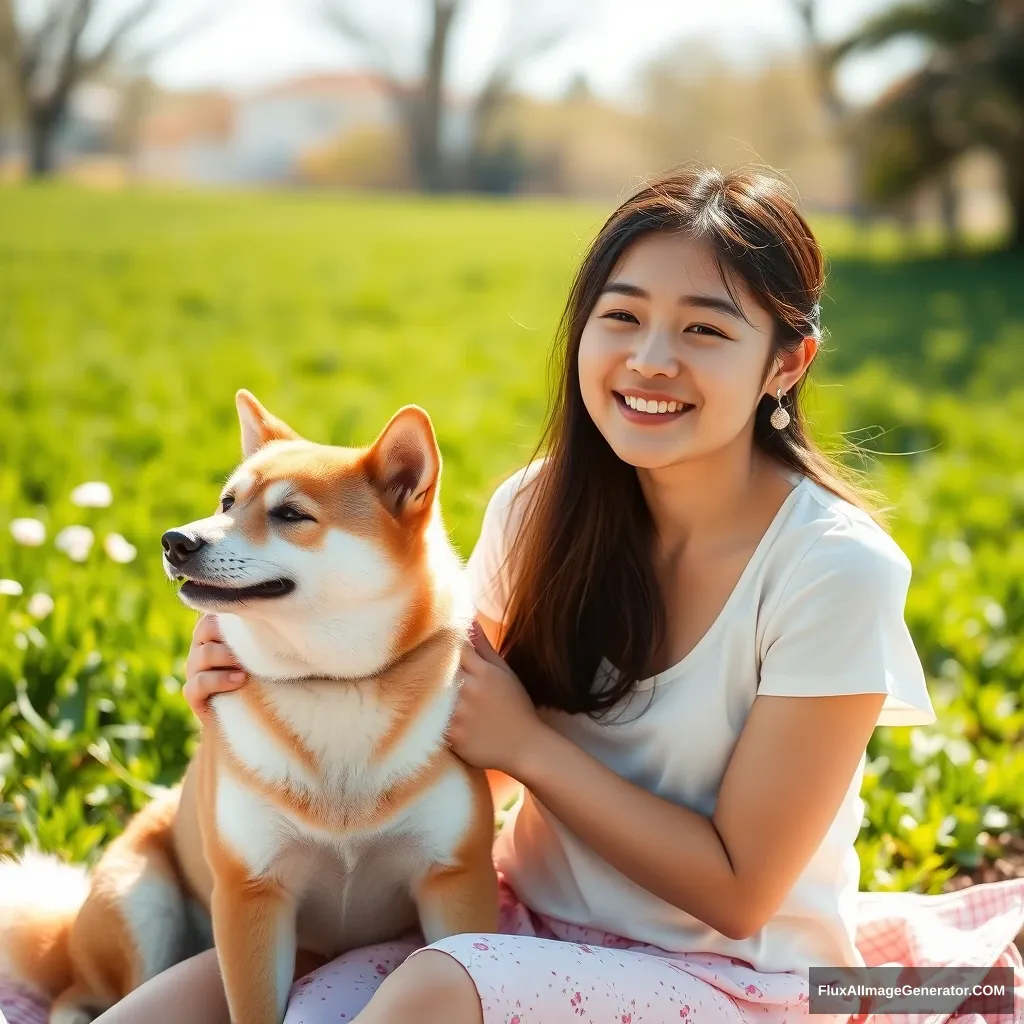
<point x="72" y="1015"/>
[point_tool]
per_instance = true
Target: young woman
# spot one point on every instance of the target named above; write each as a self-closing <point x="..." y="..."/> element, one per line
<point x="689" y="626"/>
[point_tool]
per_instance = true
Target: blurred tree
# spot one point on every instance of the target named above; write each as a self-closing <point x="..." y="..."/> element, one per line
<point x="836" y="108"/>
<point x="8" y="106"/>
<point x="700" y="103"/>
<point x="137" y="94"/>
<point x="420" y="99"/>
<point x="969" y="94"/>
<point x="46" y="55"/>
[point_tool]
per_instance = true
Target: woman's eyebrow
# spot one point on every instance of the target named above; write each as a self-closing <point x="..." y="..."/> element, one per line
<point x="622" y="288"/>
<point x="711" y="302"/>
<point x="703" y="301"/>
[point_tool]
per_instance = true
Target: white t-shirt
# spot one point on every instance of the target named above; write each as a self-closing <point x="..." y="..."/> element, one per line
<point x="818" y="610"/>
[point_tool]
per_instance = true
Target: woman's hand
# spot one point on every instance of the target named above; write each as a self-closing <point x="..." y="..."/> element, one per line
<point x="211" y="667"/>
<point x="494" y="722"/>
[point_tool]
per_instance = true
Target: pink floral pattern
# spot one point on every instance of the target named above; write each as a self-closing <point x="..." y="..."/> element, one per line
<point x="537" y="970"/>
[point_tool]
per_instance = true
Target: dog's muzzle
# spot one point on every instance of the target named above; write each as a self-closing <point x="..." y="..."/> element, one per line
<point x="180" y="547"/>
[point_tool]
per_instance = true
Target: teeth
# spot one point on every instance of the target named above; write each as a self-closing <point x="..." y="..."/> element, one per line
<point x="650" y="406"/>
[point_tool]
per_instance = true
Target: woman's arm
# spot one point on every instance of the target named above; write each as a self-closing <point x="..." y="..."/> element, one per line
<point x="784" y="784"/>
<point x="504" y="789"/>
<point x="791" y="767"/>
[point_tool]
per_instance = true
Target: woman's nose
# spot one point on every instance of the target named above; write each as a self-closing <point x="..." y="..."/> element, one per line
<point x="654" y="354"/>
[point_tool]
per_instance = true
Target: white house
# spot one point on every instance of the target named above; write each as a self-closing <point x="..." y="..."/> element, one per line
<point x="213" y="138"/>
<point x="275" y="127"/>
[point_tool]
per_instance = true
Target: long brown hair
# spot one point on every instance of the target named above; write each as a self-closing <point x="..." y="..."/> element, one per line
<point x="580" y="565"/>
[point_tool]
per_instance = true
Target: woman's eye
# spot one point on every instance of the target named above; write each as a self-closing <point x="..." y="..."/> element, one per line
<point x="290" y="515"/>
<point x="621" y="315"/>
<point x="706" y="330"/>
<point x="226" y="502"/>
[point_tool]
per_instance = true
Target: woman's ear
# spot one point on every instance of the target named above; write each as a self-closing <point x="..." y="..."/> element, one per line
<point x="790" y="366"/>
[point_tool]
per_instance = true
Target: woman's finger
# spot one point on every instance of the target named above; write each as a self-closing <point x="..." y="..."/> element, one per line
<point x="194" y="698"/>
<point x="483" y="646"/>
<point x="203" y="685"/>
<point x="470" y="658"/>
<point x="207" y="631"/>
<point x="211" y="655"/>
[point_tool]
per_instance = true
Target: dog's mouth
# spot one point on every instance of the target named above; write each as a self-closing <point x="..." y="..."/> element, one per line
<point x="200" y="592"/>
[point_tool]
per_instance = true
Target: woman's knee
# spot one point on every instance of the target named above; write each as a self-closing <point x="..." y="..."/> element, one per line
<point x="430" y="986"/>
<point x="191" y="990"/>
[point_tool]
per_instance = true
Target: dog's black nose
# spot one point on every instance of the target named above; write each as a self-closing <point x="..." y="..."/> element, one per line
<point x="180" y="547"/>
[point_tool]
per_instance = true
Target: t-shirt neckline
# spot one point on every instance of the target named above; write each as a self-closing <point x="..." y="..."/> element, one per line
<point x="760" y="551"/>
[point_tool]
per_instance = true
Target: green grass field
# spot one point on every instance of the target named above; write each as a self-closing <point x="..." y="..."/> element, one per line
<point x="127" y="322"/>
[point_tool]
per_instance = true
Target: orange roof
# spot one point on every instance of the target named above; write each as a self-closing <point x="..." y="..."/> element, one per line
<point x="185" y="117"/>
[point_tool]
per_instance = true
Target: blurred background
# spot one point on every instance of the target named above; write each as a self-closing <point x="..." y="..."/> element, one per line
<point x="910" y="108"/>
<point x="346" y="205"/>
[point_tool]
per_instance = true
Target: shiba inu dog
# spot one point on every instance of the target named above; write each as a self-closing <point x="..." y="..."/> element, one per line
<point x="322" y="810"/>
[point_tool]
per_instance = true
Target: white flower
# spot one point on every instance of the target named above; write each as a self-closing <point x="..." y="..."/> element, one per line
<point x="10" y="588"/>
<point x="118" y="549"/>
<point x="75" y="542"/>
<point x="94" y="494"/>
<point x="29" y="532"/>
<point x="40" y="605"/>
<point x="995" y="818"/>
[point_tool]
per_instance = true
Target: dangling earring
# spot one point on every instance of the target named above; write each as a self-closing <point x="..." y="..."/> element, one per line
<point x="780" y="418"/>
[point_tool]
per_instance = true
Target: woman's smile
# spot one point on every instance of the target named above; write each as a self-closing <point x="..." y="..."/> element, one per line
<point x="650" y="412"/>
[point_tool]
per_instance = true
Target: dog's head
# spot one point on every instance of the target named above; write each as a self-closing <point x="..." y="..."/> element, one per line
<point x="320" y="558"/>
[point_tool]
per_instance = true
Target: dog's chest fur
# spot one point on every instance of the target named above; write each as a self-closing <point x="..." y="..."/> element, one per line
<point x="350" y="869"/>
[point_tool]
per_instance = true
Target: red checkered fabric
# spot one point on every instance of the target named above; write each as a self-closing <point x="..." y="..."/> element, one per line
<point x="972" y="927"/>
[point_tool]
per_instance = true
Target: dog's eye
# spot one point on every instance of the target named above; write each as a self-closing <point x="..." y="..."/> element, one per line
<point x="288" y="514"/>
<point x="226" y="502"/>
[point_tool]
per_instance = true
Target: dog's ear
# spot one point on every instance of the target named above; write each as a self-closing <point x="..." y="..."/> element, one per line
<point x="258" y="425"/>
<point x="404" y="463"/>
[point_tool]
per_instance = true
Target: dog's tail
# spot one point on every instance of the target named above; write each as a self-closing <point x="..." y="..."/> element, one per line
<point x="40" y="896"/>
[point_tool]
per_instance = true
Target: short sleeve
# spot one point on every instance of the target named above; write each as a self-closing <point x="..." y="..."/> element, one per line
<point x="486" y="568"/>
<point x="839" y="628"/>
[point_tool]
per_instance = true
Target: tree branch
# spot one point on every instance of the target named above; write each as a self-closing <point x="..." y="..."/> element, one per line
<point x="131" y="21"/>
<point x="938" y="24"/>
<point x="31" y="50"/>
<point x="71" y="63"/>
<point x="499" y="81"/>
<point x="162" y="45"/>
<point x="9" y="42"/>
<point x="822" y="66"/>
<point x="337" y="14"/>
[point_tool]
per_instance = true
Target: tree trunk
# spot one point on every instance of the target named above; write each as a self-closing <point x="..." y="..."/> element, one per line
<point x="1017" y="225"/>
<point x="429" y="149"/>
<point x="42" y="146"/>
<point x="1015" y="197"/>
<point x="949" y="205"/>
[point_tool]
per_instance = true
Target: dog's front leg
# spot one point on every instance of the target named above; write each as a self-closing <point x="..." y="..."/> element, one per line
<point x="254" y="931"/>
<point x="452" y="901"/>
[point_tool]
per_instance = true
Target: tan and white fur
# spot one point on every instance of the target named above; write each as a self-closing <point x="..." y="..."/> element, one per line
<point x="323" y="810"/>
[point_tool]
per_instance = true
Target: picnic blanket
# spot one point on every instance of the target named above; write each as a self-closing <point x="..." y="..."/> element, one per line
<point x="971" y="927"/>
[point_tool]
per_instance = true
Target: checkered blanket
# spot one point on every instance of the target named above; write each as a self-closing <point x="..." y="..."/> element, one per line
<point x="972" y="927"/>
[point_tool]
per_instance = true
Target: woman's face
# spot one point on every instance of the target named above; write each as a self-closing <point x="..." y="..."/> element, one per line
<point x="664" y="330"/>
